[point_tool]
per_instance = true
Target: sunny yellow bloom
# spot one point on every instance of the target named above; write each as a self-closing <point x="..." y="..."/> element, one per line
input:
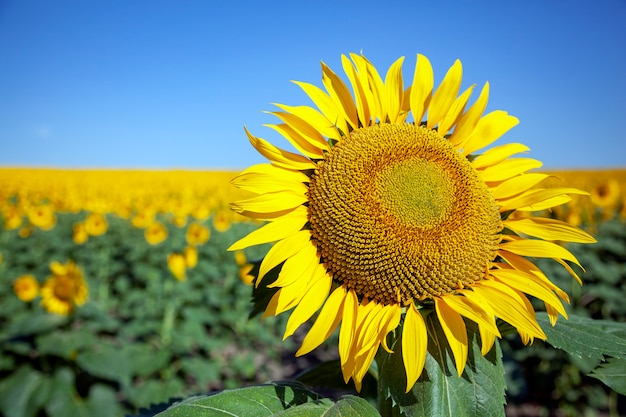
<point x="191" y="256"/>
<point x="221" y="220"/>
<point x="26" y="287"/>
<point x="177" y="265"/>
<point x="606" y="194"/>
<point x="96" y="224"/>
<point x="197" y="234"/>
<point x="42" y="216"/>
<point x="12" y="217"/>
<point x="65" y="289"/>
<point x="394" y="208"/>
<point x="79" y="233"/>
<point x="143" y="219"/>
<point x="155" y="233"/>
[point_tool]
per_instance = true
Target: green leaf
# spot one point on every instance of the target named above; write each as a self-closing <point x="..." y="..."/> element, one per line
<point x="613" y="374"/>
<point x="257" y="401"/>
<point x="17" y="390"/>
<point x="102" y="401"/>
<point x="328" y="375"/>
<point x="581" y="336"/>
<point x="440" y="391"/>
<point x="106" y="361"/>
<point x="351" y="406"/>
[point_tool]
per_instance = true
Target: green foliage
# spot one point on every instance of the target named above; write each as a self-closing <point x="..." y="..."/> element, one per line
<point x="143" y="337"/>
<point x="440" y="391"/>
<point x="282" y="399"/>
<point x="577" y="378"/>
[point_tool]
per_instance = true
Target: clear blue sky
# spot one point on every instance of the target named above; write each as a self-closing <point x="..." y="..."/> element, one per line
<point x="156" y="84"/>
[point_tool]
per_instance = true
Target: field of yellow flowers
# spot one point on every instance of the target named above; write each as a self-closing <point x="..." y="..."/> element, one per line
<point x="118" y="291"/>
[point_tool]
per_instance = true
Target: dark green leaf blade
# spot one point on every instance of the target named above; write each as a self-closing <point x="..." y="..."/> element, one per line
<point x="479" y="392"/>
<point x="256" y="401"/>
<point x="613" y="374"/>
<point x="352" y="406"/>
<point x="581" y="336"/>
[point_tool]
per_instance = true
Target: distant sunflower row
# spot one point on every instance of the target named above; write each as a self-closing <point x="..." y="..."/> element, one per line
<point x="31" y="198"/>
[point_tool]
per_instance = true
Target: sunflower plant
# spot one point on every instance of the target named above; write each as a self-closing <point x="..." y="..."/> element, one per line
<point x="399" y="226"/>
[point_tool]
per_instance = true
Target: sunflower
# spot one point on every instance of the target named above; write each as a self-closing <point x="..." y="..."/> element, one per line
<point x="26" y="287"/>
<point x="64" y="289"/>
<point x="197" y="234"/>
<point x="177" y="264"/>
<point x="96" y="224"/>
<point x="155" y="233"/>
<point x="389" y="214"/>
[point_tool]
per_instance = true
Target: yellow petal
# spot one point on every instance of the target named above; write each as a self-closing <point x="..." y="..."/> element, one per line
<point x="273" y="170"/>
<point x="388" y="323"/>
<point x="498" y="154"/>
<point x="455" y="331"/>
<point x="310" y="123"/>
<point x="314" y="297"/>
<point x="377" y="87"/>
<point x="469" y="120"/>
<point x="511" y="306"/>
<point x="279" y="201"/>
<point x="280" y="157"/>
<point x="394" y="90"/>
<point x="538" y="249"/>
<point x="359" y="86"/>
<point x="445" y="94"/>
<point x="489" y="129"/>
<point x="525" y="283"/>
<point x="523" y="264"/>
<point x="517" y="185"/>
<point x="301" y="143"/>
<point x="453" y="114"/>
<point x="549" y="229"/>
<point x="414" y="344"/>
<point x="276" y="230"/>
<point x="298" y="266"/>
<point x="422" y="88"/>
<point x="341" y="95"/>
<point x="508" y="168"/>
<point x="266" y="183"/>
<point x="326" y="105"/>
<point x="539" y="199"/>
<point x="326" y="322"/>
<point x="472" y="311"/>
<point x="348" y="333"/>
<point x="282" y="250"/>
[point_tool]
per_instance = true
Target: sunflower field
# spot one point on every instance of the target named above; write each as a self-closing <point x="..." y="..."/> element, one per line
<point x="118" y="293"/>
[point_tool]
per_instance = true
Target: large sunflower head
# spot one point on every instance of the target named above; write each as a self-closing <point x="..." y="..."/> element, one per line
<point x="393" y="211"/>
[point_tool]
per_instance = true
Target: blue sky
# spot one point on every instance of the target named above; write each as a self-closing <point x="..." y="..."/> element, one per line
<point x="156" y="84"/>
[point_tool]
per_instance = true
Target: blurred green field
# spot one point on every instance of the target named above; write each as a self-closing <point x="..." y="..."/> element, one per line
<point x="159" y="323"/>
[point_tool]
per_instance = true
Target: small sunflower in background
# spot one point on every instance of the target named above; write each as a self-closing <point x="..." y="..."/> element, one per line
<point x="65" y="289"/>
<point x="221" y="220"/>
<point x="394" y="214"/>
<point x="155" y="233"/>
<point x="177" y="264"/>
<point x="26" y="287"/>
<point x="96" y="224"/>
<point x="42" y="216"/>
<point x="606" y="194"/>
<point x="197" y="234"/>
